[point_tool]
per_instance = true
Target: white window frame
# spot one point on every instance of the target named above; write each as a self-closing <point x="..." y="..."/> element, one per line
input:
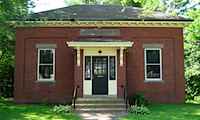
<point x="38" y="64"/>
<point x="145" y="64"/>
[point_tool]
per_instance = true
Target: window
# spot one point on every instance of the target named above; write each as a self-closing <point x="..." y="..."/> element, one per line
<point x="112" y="68"/>
<point x="87" y="67"/>
<point x="46" y="64"/>
<point x="153" y="64"/>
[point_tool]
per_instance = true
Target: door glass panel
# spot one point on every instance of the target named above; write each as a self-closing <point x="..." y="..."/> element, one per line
<point x="112" y="67"/>
<point x="100" y="67"/>
<point x="87" y="67"/>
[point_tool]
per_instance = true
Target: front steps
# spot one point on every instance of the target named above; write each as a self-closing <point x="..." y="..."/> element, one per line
<point x="100" y="104"/>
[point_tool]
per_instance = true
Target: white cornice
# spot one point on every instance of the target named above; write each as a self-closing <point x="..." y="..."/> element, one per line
<point x="179" y="24"/>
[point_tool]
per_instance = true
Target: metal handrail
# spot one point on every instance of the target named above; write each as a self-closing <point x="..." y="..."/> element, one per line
<point x="75" y="96"/>
<point x="125" y="96"/>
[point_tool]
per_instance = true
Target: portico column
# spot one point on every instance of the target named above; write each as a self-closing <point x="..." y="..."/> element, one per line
<point x="121" y="56"/>
<point x="78" y="56"/>
<point x="78" y="71"/>
<point x="121" y="72"/>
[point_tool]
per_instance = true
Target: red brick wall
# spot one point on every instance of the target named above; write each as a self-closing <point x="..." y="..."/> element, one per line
<point x="171" y="90"/>
<point x="27" y="89"/>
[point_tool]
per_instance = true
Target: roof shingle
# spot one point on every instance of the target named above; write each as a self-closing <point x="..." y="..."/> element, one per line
<point x="101" y="13"/>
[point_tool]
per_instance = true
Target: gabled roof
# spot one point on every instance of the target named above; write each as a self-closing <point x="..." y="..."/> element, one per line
<point x="101" y="13"/>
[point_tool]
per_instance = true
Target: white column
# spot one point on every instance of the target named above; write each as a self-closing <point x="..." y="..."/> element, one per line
<point x="78" y="56"/>
<point x="121" y="56"/>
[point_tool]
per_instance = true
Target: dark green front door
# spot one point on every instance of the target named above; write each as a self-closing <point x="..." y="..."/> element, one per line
<point x="100" y="75"/>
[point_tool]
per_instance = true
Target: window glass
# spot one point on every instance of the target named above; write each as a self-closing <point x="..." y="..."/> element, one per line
<point x="112" y="68"/>
<point x="153" y="56"/>
<point x="46" y="64"/>
<point x="152" y="63"/>
<point x="46" y="72"/>
<point x="153" y="71"/>
<point x="46" y="56"/>
<point x="87" y="67"/>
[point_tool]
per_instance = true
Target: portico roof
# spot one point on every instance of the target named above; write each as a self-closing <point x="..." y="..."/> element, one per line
<point x="115" y="44"/>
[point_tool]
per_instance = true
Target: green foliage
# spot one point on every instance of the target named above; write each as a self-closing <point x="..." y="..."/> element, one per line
<point x="138" y="99"/>
<point x="9" y="10"/>
<point x="168" y="112"/>
<point x="62" y="109"/>
<point x="196" y="100"/>
<point x="139" y="110"/>
<point x="11" y="111"/>
<point x="192" y="56"/>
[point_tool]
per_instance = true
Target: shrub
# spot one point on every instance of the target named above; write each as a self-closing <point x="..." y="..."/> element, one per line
<point x="138" y="99"/>
<point x="139" y="110"/>
<point x="6" y="80"/>
<point x="62" y="109"/>
<point x="192" y="86"/>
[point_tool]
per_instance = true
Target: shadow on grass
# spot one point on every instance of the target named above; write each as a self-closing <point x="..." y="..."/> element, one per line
<point x="12" y="111"/>
<point x="169" y="112"/>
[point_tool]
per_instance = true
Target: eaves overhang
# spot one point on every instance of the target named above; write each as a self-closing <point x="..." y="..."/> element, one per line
<point x="173" y="24"/>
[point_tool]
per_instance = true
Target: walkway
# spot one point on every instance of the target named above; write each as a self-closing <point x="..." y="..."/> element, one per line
<point x="101" y="116"/>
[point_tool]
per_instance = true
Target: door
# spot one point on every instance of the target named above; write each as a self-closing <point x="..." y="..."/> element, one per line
<point x="100" y="75"/>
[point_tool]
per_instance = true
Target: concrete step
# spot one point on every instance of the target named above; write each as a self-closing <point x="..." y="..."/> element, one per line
<point x="100" y="105"/>
<point x="110" y="110"/>
<point x="99" y="100"/>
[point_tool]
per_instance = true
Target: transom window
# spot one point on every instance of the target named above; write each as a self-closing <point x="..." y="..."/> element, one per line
<point x="153" y="64"/>
<point x="46" y="64"/>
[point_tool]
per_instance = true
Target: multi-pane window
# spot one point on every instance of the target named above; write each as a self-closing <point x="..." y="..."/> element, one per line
<point x="153" y="64"/>
<point x="112" y="68"/>
<point x="46" y="64"/>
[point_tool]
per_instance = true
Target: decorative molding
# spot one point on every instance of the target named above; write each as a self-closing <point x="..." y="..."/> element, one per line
<point x="179" y="24"/>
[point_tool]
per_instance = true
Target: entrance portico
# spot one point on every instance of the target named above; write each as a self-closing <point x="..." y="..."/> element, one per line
<point x="101" y="67"/>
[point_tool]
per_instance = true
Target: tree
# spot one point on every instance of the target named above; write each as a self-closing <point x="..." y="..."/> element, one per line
<point x="9" y="10"/>
<point x="192" y="55"/>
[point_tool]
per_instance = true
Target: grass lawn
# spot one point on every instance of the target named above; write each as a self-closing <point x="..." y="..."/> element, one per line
<point x="12" y="111"/>
<point x="169" y="112"/>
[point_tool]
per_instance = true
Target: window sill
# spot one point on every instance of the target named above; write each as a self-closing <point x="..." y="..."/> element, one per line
<point x="154" y="81"/>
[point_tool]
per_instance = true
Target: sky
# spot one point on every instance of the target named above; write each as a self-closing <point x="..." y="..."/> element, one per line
<point x="44" y="5"/>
